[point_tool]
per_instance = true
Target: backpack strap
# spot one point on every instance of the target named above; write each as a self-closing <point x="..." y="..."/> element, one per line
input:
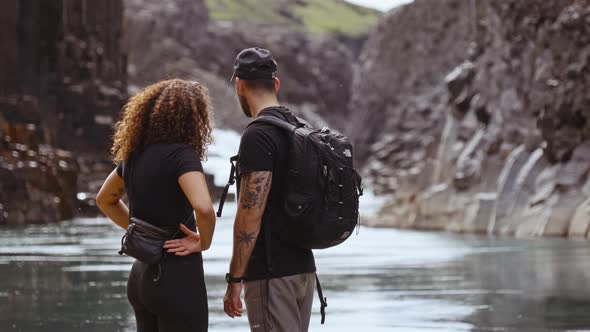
<point x="283" y="124"/>
<point x="232" y="180"/>
<point x="304" y="122"/>
<point x="323" y="300"/>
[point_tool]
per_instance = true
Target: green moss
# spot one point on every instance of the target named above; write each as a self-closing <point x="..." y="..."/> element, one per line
<point x="333" y="15"/>
<point x="316" y="16"/>
<point x="243" y="9"/>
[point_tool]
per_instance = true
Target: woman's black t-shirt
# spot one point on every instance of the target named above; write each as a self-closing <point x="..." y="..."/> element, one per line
<point x="151" y="181"/>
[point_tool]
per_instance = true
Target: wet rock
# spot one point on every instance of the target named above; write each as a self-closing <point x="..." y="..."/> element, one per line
<point x="37" y="186"/>
<point x="469" y="164"/>
<point x="62" y="94"/>
<point x="402" y="213"/>
<point x="459" y="79"/>
<point x="525" y="186"/>
<point x="572" y="173"/>
<point x="562" y="214"/>
<point x="516" y="100"/>
<point x="507" y="190"/>
<point x="483" y="217"/>
<point x="481" y="112"/>
<point x="580" y="222"/>
<point x="535" y="217"/>
<point x="436" y="201"/>
<point x="545" y="186"/>
<point x="462" y="104"/>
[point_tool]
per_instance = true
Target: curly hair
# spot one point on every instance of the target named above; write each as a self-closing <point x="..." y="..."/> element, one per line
<point x="172" y="111"/>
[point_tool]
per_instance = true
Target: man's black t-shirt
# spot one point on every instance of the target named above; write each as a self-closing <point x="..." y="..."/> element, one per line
<point x="151" y="181"/>
<point x="264" y="147"/>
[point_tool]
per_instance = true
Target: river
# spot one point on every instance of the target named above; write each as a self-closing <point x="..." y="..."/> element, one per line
<point x="68" y="277"/>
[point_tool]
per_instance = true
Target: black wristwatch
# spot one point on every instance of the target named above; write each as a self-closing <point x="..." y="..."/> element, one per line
<point x="231" y="280"/>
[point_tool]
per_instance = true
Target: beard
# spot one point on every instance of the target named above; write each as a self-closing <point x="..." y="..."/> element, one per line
<point x="245" y="106"/>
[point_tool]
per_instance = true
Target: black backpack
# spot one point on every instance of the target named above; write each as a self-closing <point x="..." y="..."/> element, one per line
<point x="322" y="190"/>
<point x="321" y="202"/>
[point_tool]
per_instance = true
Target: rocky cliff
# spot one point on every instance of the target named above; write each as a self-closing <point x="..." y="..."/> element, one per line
<point x="65" y="79"/>
<point x="479" y="116"/>
<point x="200" y="39"/>
<point x="63" y="82"/>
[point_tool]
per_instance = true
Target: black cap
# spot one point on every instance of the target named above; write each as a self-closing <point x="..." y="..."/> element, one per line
<point x="255" y="63"/>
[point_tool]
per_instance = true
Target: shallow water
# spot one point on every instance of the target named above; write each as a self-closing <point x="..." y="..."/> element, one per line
<point x="68" y="277"/>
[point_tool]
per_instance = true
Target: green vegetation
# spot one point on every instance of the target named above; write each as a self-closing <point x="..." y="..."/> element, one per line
<point x="316" y="16"/>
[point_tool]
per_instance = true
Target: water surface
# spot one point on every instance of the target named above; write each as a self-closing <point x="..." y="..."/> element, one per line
<point x="68" y="277"/>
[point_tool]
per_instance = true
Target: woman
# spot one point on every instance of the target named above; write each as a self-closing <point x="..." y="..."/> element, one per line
<point x="160" y="140"/>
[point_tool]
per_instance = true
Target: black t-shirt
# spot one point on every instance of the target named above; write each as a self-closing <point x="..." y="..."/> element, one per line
<point x="264" y="147"/>
<point x="152" y="184"/>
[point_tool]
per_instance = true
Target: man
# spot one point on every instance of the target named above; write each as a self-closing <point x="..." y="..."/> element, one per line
<point x="278" y="279"/>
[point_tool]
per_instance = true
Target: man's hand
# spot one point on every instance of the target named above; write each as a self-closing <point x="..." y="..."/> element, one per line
<point x="191" y="243"/>
<point x="232" y="304"/>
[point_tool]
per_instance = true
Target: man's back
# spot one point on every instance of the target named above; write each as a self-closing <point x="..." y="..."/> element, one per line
<point x="278" y="295"/>
<point x="264" y="147"/>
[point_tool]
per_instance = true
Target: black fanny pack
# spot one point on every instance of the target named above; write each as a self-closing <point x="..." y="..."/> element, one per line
<point x="145" y="242"/>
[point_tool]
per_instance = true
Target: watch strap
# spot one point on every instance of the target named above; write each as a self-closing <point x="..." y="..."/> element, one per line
<point x="232" y="280"/>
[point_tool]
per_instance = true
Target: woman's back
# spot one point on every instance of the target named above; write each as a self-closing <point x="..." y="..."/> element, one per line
<point x="159" y="141"/>
<point x="151" y="179"/>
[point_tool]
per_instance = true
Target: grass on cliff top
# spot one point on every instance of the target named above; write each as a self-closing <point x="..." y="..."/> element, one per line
<point x="316" y="16"/>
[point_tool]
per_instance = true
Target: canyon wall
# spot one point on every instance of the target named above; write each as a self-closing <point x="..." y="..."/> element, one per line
<point x="63" y="83"/>
<point x="182" y="38"/>
<point x="470" y="115"/>
<point x="65" y="68"/>
<point x="479" y="116"/>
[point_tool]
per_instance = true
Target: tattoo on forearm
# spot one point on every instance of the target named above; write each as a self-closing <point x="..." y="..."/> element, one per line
<point x="256" y="189"/>
<point x="253" y="194"/>
<point x="245" y="240"/>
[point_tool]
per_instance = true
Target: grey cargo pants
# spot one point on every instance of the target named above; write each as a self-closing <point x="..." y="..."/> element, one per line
<point x="280" y="304"/>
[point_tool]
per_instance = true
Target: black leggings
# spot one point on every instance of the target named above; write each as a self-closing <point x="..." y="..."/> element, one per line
<point x="178" y="303"/>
